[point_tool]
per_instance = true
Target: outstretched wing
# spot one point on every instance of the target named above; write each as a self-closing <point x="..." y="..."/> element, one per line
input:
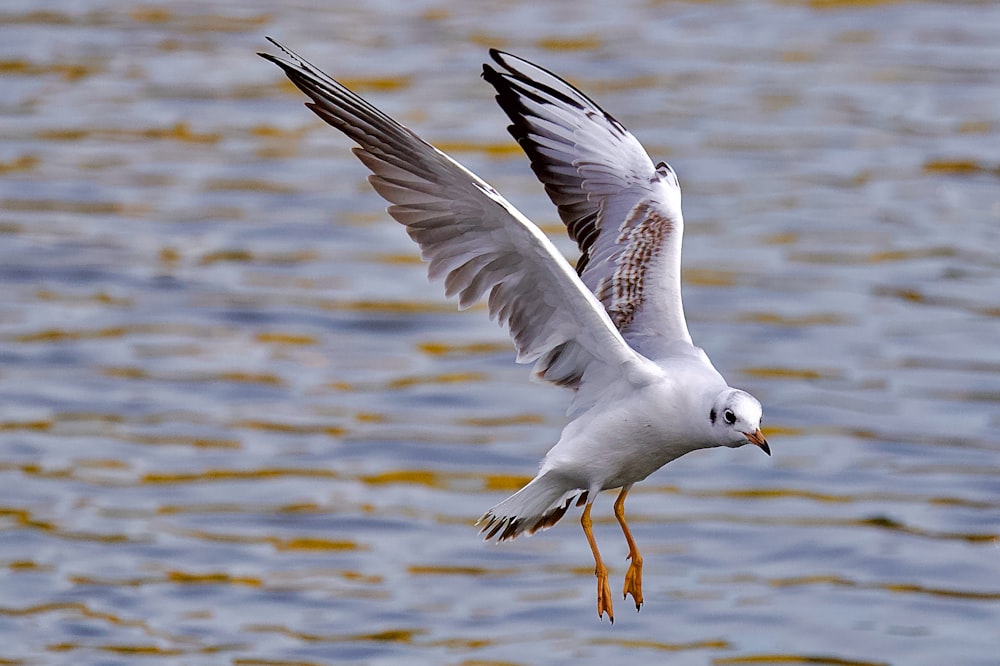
<point x="479" y="243"/>
<point x="623" y="212"/>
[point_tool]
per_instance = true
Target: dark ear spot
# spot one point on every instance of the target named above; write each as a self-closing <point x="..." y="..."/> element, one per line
<point x="711" y="416"/>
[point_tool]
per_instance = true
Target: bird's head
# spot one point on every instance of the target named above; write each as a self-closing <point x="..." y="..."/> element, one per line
<point x="734" y="420"/>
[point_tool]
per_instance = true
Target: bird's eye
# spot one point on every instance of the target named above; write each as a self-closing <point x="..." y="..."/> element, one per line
<point x="729" y="416"/>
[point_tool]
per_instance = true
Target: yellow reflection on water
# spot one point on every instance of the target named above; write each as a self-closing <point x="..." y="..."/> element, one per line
<point x="464" y="481"/>
<point x="39" y="425"/>
<point x="101" y="297"/>
<point x="70" y="71"/>
<point x="138" y="650"/>
<point x="211" y="475"/>
<point x="214" y="23"/>
<point x="247" y="185"/>
<point x="291" y="428"/>
<point x="401" y="635"/>
<point x="789" y="373"/>
<point x="419" y="477"/>
<point x="373" y="83"/>
<point x="445" y="570"/>
<point x="500" y="421"/>
<point x="843" y="581"/>
<point x="960" y="167"/>
<point x="213" y="578"/>
<point x="843" y="4"/>
<point x="504" y="482"/>
<point x="76" y="608"/>
<point x="388" y="307"/>
<point x="62" y="335"/>
<point x="505" y="149"/>
<point x="134" y="372"/>
<point x="183" y="440"/>
<point x="711" y="644"/>
<point x="28" y="565"/>
<point x="81" y="207"/>
<point x="447" y="378"/>
<point x="793" y="659"/>
<point x="975" y="127"/>
<point x="583" y="42"/>
<point x="246" y="256"/>
<point x="462" y="349"/>
<point x="279" y="337"/>
<point x="709" y="277"/>
<point x="20" y="163"/>
<point x="177" y="132"/>
<point x="405" y="259"/>
<point x="796" y="321"/>
<point x="313" y="543"/>
<point x="304" y="543"/>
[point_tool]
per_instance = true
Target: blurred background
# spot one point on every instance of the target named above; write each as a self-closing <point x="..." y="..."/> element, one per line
<point x="238" y="426"/>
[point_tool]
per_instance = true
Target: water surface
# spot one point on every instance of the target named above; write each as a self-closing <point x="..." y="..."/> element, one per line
<point x="239" y="427"/>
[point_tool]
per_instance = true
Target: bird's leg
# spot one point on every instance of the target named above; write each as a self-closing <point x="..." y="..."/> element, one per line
<point x="601" y="571"/>
<point x="633" y="577"/>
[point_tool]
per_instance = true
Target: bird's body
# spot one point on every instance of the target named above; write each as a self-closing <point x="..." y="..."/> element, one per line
<point x="633" y="435"/>
<point x="635" y="430"/>
<point x="612" y="331"/>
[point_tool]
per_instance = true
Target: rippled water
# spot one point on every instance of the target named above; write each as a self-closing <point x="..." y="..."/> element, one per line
<point x="239" y="427"/>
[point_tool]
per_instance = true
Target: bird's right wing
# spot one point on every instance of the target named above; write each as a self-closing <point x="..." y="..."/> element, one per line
<point x="480" y="244"/>
<point x="623" y="212"/>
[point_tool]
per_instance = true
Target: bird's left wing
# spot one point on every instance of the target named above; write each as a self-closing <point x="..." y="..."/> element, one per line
<point x="479" y="243"/>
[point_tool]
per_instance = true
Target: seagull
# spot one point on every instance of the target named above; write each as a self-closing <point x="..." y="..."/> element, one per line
<point x="612" y="331"/>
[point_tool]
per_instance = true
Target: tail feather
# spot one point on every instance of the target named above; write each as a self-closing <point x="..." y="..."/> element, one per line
<point x="537" y="506"/>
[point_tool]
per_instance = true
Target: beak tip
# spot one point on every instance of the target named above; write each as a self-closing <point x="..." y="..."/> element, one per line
<point x="757" y="438"/>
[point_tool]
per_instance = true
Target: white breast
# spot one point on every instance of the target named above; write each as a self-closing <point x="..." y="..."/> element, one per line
<point x="627" y="439"/>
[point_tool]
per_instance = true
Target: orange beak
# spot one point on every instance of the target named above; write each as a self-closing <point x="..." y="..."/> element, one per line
<point x="757" y="437"/>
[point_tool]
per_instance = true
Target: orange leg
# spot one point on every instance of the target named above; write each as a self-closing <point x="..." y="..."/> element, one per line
<point x="601" y="571"/>
<point x="633" y="577"/>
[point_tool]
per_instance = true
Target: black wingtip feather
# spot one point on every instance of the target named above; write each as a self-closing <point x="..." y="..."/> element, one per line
<point x="513" y="87"/>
